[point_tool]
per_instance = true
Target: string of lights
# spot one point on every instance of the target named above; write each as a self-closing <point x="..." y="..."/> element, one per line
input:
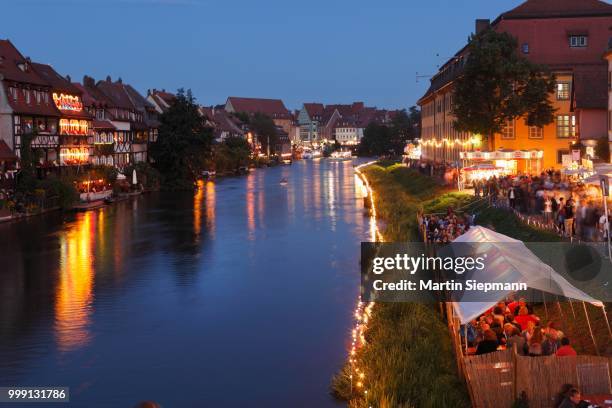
<point x="363" y="311"/>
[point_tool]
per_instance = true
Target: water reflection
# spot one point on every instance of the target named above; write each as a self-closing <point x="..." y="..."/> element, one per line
<point x="74" y="292"/>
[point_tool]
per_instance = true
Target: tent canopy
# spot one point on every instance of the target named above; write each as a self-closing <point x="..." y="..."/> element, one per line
<point x="509" y="260"/>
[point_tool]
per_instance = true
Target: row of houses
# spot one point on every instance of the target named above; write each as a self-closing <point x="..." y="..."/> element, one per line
<point x="571" y="38"/>
<point x="315" y="123"/>
<point x="70" y="123"/>
<point x="108" y="122"/>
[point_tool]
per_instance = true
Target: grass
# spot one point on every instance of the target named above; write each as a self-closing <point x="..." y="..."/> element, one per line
<point x="408" y="359"/>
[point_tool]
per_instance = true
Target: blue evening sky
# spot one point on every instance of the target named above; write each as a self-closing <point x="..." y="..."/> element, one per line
<point x="333" y="51"/>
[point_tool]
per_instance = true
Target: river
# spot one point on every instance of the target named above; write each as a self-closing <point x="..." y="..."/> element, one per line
<point x="240" y="294"/>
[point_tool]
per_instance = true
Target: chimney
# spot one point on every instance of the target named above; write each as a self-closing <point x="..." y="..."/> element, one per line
<point x="481" y="25"/>
<point x="108" y="78"/>
<point x="68" y="78"/>
<point x="119" y="80"/>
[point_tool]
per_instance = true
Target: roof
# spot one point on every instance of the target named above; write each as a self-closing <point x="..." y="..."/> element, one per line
<point x="591" y="87"/>
<point x="6" y="154"/>
<point x="137" y="99"/>
<point x="55" y="80"/>
<point x="91" y="94"/>
<point x="115" y="91"/>
<point x="314" y="109"/>
<point x="10" y="62"/>
<point x="558" y="8"/>
<point x="274" y="108"/>
<point x="103" y="124"/>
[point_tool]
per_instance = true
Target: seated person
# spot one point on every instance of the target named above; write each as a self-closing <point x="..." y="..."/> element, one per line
<point x="488" y="344"/>
<point x="566" y="349"/>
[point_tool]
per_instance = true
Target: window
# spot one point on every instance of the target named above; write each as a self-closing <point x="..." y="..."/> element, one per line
<point x="536" y="132"/>
<point x="508" y="130"/>
<point x="27" y="95"/>
<point x="560" y="154"/>
<point x="566" y="126"/>
<point x="577" y="41"/>
<point x="525" y="48"/>
<point x="563" y="91"/>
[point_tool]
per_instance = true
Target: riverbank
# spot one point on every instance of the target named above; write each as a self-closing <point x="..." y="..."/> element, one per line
<point x="407" y="358"/>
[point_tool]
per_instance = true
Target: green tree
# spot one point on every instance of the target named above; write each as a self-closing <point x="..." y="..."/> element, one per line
<point x="183" y="147"/>
<point x="497" y="84"/>
<point x="232" y="153"/>
<point x="26" y="181"/>
<point x="265" y="129"/>
<point x="377" y="140"/>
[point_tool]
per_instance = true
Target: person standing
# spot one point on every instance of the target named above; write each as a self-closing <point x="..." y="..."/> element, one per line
<point x="512" y="197"/>
<point x="547" y="209"/>
<point x="569" y="217"/>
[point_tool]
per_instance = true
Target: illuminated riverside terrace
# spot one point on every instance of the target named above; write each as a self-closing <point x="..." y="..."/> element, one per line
<point x="240" y="294"/>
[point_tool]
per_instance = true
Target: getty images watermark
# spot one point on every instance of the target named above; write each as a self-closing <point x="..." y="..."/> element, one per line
<point x="478" y="272"/>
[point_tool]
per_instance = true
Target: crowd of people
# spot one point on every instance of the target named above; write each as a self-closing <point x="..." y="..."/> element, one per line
<point x="444" y="228"/>
<point x="511" y="324"/>
<point x="557" y="202"/>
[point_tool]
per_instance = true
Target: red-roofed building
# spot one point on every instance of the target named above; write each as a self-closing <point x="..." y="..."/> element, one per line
<point x="161" y="100"/>
<point x="342" y="122"/>
<point x="26" y="106"/>
<point x="570" y="38"/>
<point x="75" y="123"/>
<point x="274" y="108"/>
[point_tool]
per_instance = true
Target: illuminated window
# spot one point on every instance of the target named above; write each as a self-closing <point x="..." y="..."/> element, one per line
<point x="536" y="132"/>
<point x="508" y="130"/>
<point x="563" y="91"/>
<point x="577" y="41"/>
<point x="566" y="126"/>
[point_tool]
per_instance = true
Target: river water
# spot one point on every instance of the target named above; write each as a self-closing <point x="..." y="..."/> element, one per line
<point x="240" y="294"/>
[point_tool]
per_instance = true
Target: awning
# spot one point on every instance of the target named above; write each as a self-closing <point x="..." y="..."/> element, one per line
<point x="509" y="260"/>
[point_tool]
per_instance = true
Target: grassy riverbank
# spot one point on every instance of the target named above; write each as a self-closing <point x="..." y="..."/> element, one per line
<point x="408" y="359"/>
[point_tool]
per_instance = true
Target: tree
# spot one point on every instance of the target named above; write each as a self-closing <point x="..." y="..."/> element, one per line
<point x="265" y="129"/>
<point x="497" y="85"/>
<point x="232" y="153"/>
<point x="26" y="179"/>
<point x="183" y="147"/>
<point x="376" y="140"/>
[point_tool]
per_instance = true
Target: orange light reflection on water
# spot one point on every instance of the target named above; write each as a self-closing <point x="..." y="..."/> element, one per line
<point x="73" y="301"/>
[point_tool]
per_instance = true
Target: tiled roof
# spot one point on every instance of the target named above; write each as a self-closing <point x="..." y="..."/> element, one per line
<point x="55" y="80"/>
<point x="591" y="87"/>
<point x="116" y="92"/>
<point x="314" y="109"/>
<point x="11" y="59"/>
<point x="274" y="108"/>
<point x="103" y="124"/>
<point x="558" y="8"/>
<point x="43" y="108"/>
<point x="91" y="94"/>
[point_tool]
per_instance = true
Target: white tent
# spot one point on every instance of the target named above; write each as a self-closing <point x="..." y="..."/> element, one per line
<point x="509" y="260"/>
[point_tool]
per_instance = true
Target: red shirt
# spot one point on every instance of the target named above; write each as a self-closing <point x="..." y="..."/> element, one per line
<point x="524" y="319"/>
<point x="565" y="351"/>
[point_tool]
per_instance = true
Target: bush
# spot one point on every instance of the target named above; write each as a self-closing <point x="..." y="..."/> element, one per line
<point x="146" y="175"/>
<point x="62" y="188"/>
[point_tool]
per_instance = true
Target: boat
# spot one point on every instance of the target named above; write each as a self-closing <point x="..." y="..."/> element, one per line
<point x="209" y="174"/>
<point x="90" y="205"/>
<point x="340" y="155"/>
<point x="284" y="181"/>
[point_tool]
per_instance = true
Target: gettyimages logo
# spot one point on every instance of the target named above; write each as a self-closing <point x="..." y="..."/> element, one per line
<point x="483" y="272"/>
<point x="412" y="265"/>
